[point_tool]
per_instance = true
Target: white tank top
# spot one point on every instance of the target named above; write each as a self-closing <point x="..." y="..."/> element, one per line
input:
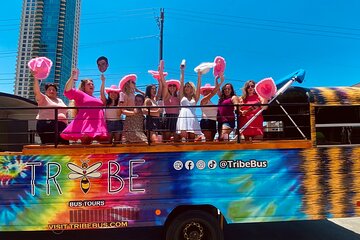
<point x="111" y="114"/>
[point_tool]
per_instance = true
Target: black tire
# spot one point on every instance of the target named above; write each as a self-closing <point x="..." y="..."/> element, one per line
<point x="194" y="225"/>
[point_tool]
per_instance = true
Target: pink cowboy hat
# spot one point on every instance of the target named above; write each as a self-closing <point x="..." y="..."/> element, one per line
<point x="204" y="67"/>
<point x="112" y="88"/>
<point x="41" y="67"/>
<point x="173" y="81"/>
<point x="266" y="88"/>
<point x="206" y="87"/>
<point x="156" y="75"/>
<point x="130" y="77"/>
<point x="220" y="65"/>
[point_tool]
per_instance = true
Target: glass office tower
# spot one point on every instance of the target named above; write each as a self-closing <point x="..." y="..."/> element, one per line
<point x="48" y="28"/>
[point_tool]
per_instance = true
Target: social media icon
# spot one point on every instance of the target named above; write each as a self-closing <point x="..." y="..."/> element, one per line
<point x="201" y="164"/>
<point x="178" y="165"/>
<point x="189" y="165"/>
<point x="223" y="164"/>
<point x="212" y="164"/>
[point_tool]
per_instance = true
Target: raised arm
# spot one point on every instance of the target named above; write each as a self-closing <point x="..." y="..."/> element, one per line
<point x="222" y="81"/>
<point x="39" y="96"/>
<point x="181" y="90"/>
<point x="159" y="94"/>
<point x="197" y="96"/>
<point x="165" y="89"/>
<point x="139" y="91"/>
<point x="163" y="85"/>
<point x="70" y="83"/>
<point x="207" y="98"/>
<point x="102" y="89"/>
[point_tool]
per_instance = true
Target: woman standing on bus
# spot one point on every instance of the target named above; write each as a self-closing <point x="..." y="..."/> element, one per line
<point x="187" y="124"/>
<point x="225" y="115"/>
<point x="89" y="124"/>
<point x="249" y="96"/>
<point x="209" y="114"/>
<point x="113" y="122"/>
<point x="153" y="114"/>
<point x="45" y="125"/>
<point x="171" y="99"/>
<point x="132" y="115"/>
<point x="135" y="122"/>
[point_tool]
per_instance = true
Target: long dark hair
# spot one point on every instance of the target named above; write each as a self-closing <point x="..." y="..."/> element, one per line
<point x="148" y="90"/>
<point x="223" y="97"/>
<point x="109" y="100"/>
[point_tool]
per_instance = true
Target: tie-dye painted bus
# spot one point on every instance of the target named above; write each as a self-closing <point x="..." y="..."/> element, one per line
<point x="307" y="171"/>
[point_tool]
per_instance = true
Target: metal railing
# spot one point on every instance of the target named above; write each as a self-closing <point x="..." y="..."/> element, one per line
<point x="277" y="124"/>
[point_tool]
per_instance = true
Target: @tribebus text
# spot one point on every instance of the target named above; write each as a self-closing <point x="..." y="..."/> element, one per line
<point x="252" y="163"/>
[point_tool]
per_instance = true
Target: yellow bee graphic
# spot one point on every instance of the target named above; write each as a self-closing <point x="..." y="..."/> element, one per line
<point x="84" y="172"/>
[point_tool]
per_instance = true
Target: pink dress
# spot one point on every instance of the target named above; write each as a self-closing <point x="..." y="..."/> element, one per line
<point x="256" y="127"/>
<point x="88" y="122"/>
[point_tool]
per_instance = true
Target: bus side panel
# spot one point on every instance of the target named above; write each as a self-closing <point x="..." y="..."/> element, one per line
<point x="122" y="190"/>
<point x="81" y="191"/>
<point x="247" y="185"/>
<point x="273" y="185"/>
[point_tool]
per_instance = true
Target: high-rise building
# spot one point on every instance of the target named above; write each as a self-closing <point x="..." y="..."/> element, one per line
<point x="49" y="28"/>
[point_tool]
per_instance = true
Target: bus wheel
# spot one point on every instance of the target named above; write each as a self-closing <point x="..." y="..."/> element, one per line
<point x="194" y="225"/>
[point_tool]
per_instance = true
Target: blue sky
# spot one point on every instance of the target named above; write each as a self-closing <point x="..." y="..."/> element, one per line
<point x="258" y="39"/>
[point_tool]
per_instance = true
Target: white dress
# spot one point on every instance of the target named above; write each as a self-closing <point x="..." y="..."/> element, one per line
<point x="187" y="120"/>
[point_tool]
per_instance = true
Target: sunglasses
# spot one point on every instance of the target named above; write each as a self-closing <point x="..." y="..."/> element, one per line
<point x="172" y="85"/>
<point x="251" y="86"/>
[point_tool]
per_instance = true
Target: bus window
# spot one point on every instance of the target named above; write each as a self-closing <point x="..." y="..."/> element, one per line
<point x="289" y="117"/>
<point x="337" y="125"/>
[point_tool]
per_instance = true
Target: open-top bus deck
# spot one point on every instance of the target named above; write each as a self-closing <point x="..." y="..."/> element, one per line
<point x="307" y="171"/>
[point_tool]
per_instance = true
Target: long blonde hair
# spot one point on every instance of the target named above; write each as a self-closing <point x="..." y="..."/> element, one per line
<point x="245" y="88"/>
<point x="193" y="88"/>
<point x="127" y="89"/>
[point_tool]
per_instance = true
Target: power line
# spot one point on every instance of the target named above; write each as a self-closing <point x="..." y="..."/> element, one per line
<point x="116" y="12"/>
<point x="216" y="19"/>
<point x="87" y="45"/>
<point x="259" y="19"/>
<point x="268" y="29"/>
<point x="276" y="26"/>
<point x="115" y="16"/>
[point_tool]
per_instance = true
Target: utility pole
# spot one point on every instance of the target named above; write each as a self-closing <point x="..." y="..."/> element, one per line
<point x="161" y="22"/>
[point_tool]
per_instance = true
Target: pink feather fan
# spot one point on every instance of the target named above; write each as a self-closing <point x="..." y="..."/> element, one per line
<point x="40" y="67"/>
<point x="266" y="88"/>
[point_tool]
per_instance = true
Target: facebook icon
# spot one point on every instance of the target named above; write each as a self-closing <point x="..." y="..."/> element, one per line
<point x="189" y="165"/>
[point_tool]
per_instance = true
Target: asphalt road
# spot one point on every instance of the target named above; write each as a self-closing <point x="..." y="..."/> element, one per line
<point x="298" y="230"/>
